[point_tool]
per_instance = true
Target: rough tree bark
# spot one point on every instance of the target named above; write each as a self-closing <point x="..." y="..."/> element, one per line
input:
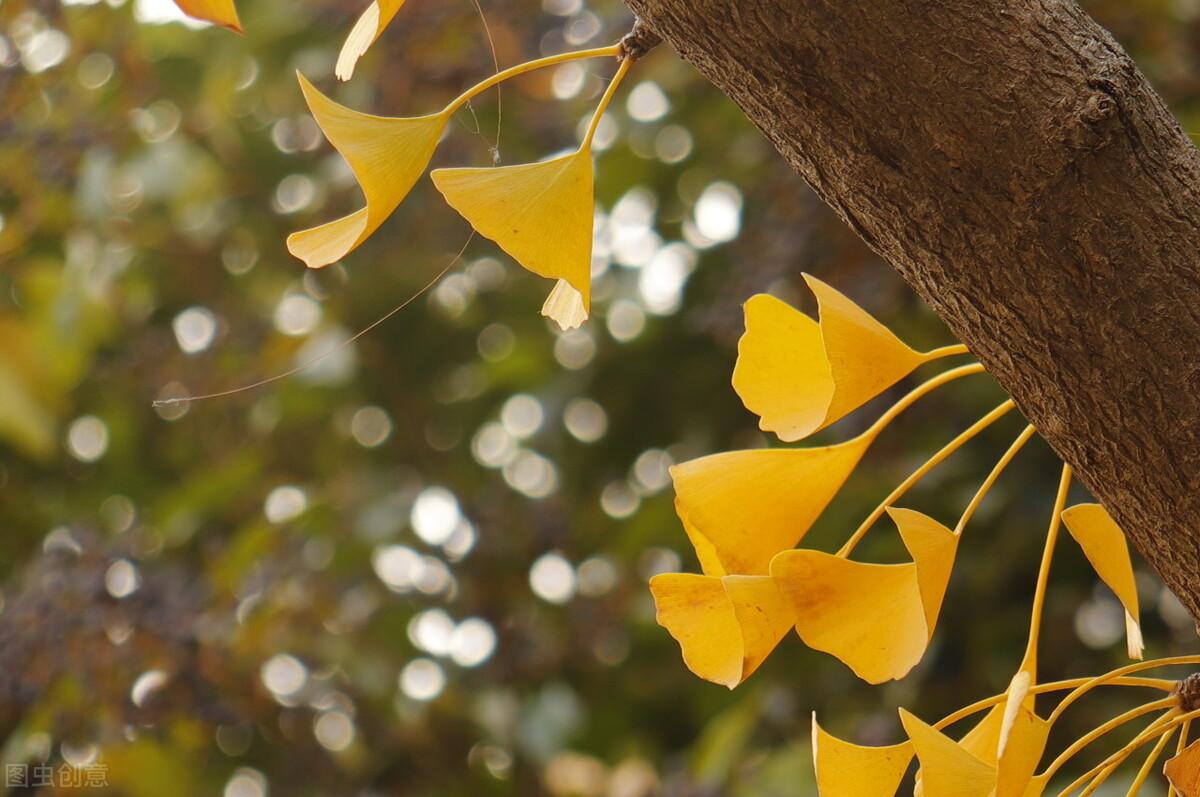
<point x="1009" y="160"/>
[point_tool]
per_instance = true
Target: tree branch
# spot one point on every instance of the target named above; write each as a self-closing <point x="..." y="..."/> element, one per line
<point x="1009" y="160"/>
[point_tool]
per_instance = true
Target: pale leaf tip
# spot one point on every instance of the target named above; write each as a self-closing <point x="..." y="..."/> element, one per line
<point x="1135" y="646"/>
<point x="565" y="306"/>
<point x="359" y="39"/>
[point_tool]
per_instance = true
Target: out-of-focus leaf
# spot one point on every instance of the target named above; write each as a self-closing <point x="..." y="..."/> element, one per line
<point x="24" y="422"/>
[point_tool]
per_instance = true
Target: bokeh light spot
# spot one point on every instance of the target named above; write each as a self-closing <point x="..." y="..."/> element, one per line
<point x="552" y="578"/>
<point x="87" y="438"/>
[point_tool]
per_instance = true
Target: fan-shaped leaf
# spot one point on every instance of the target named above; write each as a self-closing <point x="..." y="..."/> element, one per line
<point x="1011" y="739"/>
<point x="850" y="770"/>
<point x="387" y="155"/>
<point x="1022" y="739"/>
<point x="946" y="768"/>
<point x="1104" y="545"/>
<point x="726" y="627"/>
<point x="540" y="214"/>
<point x="740" y="508"/>
<point x="799" y="375"/>
<point x="877" y="619"/>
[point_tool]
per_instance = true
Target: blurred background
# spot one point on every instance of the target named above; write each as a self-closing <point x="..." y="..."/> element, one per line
<point x="419" y="567"/>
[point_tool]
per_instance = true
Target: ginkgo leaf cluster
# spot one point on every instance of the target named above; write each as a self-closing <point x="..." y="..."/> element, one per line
<point x="541" y="214"/>
<point x="745" y="511"/>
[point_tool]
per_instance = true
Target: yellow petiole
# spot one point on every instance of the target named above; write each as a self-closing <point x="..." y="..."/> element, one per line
<point x="1029" y="663"/>
<point x="1163" y="726"/>
<point x="947" y="351"/>
<point x="604" y="101"/>
<point x="1108" y="677"/>
<point x="1161" y="684"/>
<point x="920" y="473"/>
<point x="1097" y="732"/>
<point x="917" y="392"/>
<point x="1179" y="747"/>
<point x="986" y="487"/>
<point x="1148" y="766"/>
<point x="458" y="102"/>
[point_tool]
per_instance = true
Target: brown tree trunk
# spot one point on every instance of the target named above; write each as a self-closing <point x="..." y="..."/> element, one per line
<point x="1007" y="158"/>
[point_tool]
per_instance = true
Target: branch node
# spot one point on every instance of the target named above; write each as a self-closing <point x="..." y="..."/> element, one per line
<point x="1188" y="692"/>
<point x="639" y="41"/>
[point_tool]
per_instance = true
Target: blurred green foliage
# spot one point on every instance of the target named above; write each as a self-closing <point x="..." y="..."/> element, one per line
<point x="418" y="567"/>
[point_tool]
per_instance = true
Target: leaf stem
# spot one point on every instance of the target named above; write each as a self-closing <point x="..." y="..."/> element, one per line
<point x="917" y="392"/>
<point x="1148" y="766"/>
<point x="1179" y="748"/>
<point x="1094" y="734"/>
<point x="984" y="488"/>
<point x="1161" y="684"/>
<point x="610" y="51"/>
<point x="604" y="101"/>
<point x="1163" y="725"/>
<point x="1029" y="663"/>
<point x="946" y="351"/>
<point x="1108" y="677"/>
<point x="920" y="473"/>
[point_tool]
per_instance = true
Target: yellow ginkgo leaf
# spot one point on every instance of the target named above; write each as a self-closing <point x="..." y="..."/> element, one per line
<point x="933" y="548"/>
<point x="386" y="154"/>
<point x="877" y="619"/>
<point x="740" y="508"/>
<point x="946" y="767"/>
<point x="1104" y="545"/>
<point x="1183" y="771"/>
<point x="1022" y="739"/>
<point x="218" y="12"/>
<point x="850" y="770"/>
<point x="726" y="627"/>
<point x="1011" y="738"/>
<point x="799" y="375"/>
<point x="364" y="33"/>
<point x="539" y="213"/>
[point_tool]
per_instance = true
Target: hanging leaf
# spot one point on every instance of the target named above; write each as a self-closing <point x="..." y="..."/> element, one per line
<point x="540" y="214"/>
<point x="366" y="30"/>
<point x="946" y="768"/>
<point x="799" y="375"/>
<point x="850" y="770"/>
<point x="1022" y="739"/>
<point x="1104" y="545"/>
<point x="218" y="12"/>
<point x="726" y="627"/>
<point x="1009" y="741"/>
<point x="740" y="508"/>
<point x="386" y="154"/>
<point x="877" y="619"/>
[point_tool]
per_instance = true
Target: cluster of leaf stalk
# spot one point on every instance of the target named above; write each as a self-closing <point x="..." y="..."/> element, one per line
<point x="745" y="511"/>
